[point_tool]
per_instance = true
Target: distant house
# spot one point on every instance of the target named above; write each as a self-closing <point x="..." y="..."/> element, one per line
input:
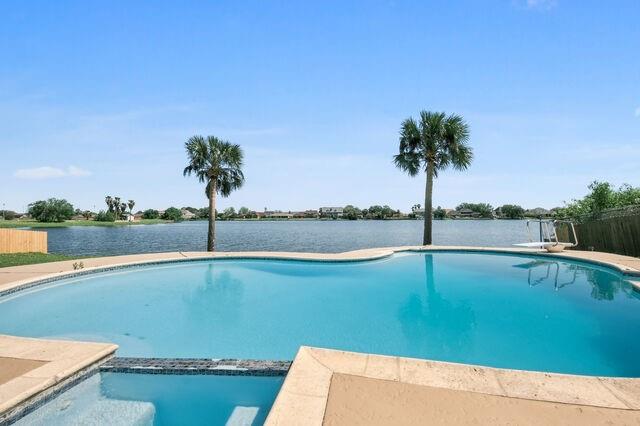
<point x="129" y="217"/>
<point x="187" y="215"/>
<point x="279" y="215"/>
<point x="464" y="214"/>
<point x="311" y="214"/>
<point x="307" y="214"/>
<point x="331" y="211"/>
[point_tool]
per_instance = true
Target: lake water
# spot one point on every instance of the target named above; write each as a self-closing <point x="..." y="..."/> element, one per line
<point x="299" y="236"/>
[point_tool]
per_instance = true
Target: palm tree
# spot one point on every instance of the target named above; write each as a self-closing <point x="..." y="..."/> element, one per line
<point x="217" y="163"/>
<point x="116" y="207"/>
<point x="109" y="201"/>
<point x="131" y="204"/>
<point x="432" y="144"/>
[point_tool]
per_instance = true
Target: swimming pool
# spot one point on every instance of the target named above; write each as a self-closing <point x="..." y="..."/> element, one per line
<point x="501" y="310"/>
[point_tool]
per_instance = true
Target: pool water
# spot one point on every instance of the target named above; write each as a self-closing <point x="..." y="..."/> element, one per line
<point x="509" y="311"/>
<point x="157" y="399"/>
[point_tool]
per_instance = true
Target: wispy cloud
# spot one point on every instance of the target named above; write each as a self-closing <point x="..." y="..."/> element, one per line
<point x="48" y="172"/>
<point x="541" y="4"/>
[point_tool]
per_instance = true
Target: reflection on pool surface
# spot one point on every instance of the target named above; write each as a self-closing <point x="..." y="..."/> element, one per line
<point x="150" y="399"/>
<point x="510" y="311"/>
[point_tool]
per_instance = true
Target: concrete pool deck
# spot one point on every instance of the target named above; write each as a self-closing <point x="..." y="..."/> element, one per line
<point x="329" y="387"/>
<point x="323" y="386"/>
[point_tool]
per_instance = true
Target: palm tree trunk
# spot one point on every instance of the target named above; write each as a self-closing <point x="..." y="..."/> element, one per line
<point x="429" y="277"/>
<point x="211" y="235"/>
<point x="428" y="206"/>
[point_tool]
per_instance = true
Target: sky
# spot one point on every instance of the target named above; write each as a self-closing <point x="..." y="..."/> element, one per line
<point x="98" y="98"/>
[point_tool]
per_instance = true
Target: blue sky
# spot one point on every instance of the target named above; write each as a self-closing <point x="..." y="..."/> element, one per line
<point x="98" y="98"/>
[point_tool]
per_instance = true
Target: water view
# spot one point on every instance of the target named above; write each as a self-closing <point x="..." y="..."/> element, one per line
<point x="299" y="236"/>
<point x="189" y="189"/>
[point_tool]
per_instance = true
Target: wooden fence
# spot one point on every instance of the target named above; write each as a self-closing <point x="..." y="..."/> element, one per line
<point x="18" y="241"/>
<point x="617" y="231"/>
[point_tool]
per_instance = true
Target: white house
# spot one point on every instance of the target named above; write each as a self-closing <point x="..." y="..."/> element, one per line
<point x="187" y="215"/>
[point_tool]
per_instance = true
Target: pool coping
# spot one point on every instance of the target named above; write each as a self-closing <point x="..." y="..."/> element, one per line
<point x="305" y="392"/>
<point x="66" y="363"/>
<point x="18" y="278"/>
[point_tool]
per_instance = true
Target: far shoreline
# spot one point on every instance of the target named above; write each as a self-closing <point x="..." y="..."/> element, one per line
<point x="31" y="224"/>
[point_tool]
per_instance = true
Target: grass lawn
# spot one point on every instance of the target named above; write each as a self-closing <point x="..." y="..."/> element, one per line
<point x="16" y="259"/>
<point x="35" y="224"/>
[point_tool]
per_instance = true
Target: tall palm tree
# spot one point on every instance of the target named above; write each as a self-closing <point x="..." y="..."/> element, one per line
<point x="116" y="207"/>
<point x="131" y="204"/>
<point x="109" y="201"/>
<point x="217" y="163"/>
<point x="432" y="144"/>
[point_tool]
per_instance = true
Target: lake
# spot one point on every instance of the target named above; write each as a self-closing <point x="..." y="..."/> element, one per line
<point x="299" y="236"/>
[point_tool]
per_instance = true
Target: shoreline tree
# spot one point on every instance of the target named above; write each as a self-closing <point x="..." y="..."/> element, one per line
<point x="439" y="213"/>
<point x="150" y="214"/>
<point x="109" y="202"/>
<point x="131" y="204"/>
<point x="217" y="163"/>
<point x="431" y="145"/>
<point x="51" y="210"/>
<point x="512" y="211"/>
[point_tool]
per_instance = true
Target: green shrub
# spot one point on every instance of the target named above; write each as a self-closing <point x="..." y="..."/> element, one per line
<point x="378" y="212"/>
<point x="228" y="214"/>
<point x="103" y="216"/>
<point x="512" y="211"/>
<point x="601" y="196"/>
<point x="439" y="213"/>
<point x="485" y="210"/>
<point x="51" y="210"/>
<point x="150" y="214"/>
<point x="7" y="214"/>
<point x="172" y="213"/>
<point x="351" y="212"/>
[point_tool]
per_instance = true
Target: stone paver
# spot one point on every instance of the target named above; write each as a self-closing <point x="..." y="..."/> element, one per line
<point x="361" y="401"/>
<point x="58" y="361"/>
<point x="399" y="390"/>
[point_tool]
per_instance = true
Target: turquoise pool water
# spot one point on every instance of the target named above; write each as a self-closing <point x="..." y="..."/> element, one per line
<point x="143" y="399"/>
<point x="523" y="312"/>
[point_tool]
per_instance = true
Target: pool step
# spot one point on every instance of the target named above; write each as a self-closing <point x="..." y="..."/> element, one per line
<point x="84" y="405"/>
<point x="114" y="413"/>
<point x="242" y="416"/>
